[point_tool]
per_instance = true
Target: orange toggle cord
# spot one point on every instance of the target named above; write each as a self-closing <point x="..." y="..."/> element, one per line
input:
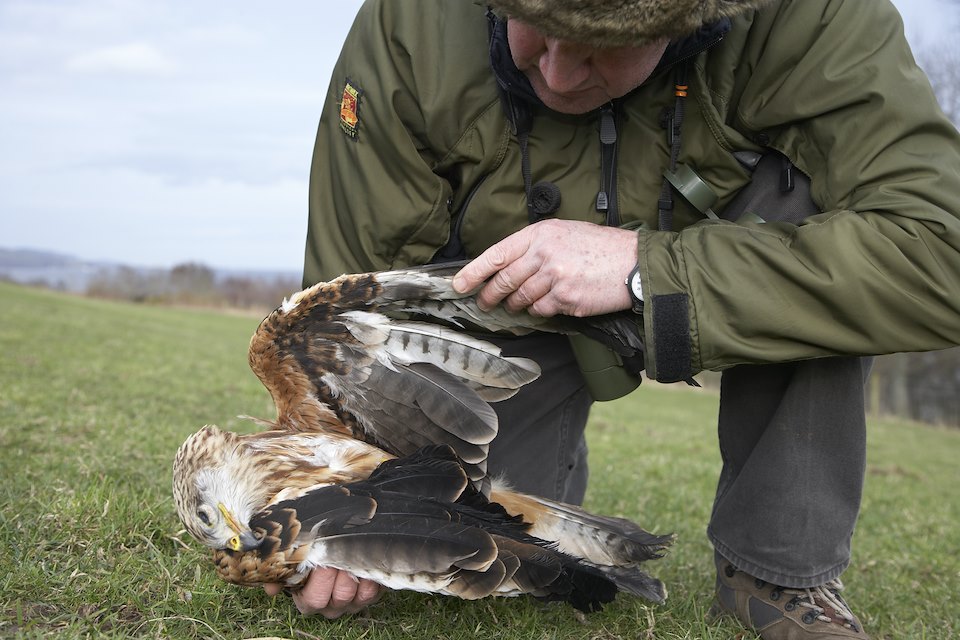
<point x="681" y="90"/>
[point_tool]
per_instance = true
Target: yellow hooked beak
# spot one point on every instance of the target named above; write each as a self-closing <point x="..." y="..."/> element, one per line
<point x="236" y="543"/>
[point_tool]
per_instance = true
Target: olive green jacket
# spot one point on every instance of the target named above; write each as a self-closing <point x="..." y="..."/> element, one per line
<point x="829" y="83"/>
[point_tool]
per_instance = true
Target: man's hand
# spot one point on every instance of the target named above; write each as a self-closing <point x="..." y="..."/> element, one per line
<point x="555" y="267"/>
<point x="331" y="593"/>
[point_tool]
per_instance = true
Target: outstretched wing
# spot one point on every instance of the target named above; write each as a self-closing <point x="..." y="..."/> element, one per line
<point x="443" y="538"/>
<point x="618" y="331"/>
<point x="346" y="356"/>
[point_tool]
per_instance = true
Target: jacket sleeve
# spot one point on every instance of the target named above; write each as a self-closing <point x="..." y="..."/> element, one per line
<point x="376" y="201"/>
<point x="835" y="87"/>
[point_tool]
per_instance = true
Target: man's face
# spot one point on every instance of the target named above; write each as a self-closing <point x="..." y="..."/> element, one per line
<point x="570" y="77"/>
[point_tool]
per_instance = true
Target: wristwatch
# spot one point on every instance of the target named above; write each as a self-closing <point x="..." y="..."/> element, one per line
<point x="635" y="289"/>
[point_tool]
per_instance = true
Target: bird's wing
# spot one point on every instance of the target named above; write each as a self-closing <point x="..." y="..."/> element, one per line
<point x="619" y="331"/>
<point x="333" y="359"/>
<point x="424" y="541"/>
<point x="401" y="541"/>
<point x="384" y="357"/>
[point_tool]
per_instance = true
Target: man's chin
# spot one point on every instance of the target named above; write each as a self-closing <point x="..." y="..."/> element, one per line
<point x="572" y="103"/>
<point x="572" y="106"/>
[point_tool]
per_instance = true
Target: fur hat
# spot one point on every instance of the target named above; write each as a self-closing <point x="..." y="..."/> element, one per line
<point x="613" y="23"/>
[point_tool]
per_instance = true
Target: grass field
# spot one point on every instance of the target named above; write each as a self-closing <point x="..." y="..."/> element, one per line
<point x="95" y="397"/>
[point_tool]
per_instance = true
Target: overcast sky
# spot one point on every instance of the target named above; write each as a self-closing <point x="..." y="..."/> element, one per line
<point x="154" y="133"/>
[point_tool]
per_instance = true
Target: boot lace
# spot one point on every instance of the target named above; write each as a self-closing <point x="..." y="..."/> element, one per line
<point x="825" y="604"/>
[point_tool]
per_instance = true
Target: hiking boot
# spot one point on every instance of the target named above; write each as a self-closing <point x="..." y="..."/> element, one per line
<point x="780" y="613"/>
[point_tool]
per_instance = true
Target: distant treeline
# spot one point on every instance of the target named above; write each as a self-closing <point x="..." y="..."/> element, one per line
<point x="921" y="386"/>
<point x="191" y="284"/>
<point x="917" y="386"/>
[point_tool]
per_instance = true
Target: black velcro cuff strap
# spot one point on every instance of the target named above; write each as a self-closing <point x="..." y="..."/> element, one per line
<point x="671" y="337"/>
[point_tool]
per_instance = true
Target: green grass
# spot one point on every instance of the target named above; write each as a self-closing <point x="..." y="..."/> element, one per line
<point x="95" y="397"/>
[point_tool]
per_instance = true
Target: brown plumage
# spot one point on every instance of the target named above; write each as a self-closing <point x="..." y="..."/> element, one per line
<point x="372" y="366"/>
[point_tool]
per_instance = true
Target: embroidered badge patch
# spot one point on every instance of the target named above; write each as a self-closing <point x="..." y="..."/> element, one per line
<point x="350" y="109"/>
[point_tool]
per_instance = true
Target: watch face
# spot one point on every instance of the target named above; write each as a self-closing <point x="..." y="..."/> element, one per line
<point x="635" y="287"/>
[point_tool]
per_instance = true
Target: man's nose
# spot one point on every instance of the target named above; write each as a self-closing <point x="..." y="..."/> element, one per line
<point x="565" y="65"/>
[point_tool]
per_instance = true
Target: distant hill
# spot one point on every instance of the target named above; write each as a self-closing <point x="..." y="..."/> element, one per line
<point x="34" y="259"/>
<point x="70" y="273"/>
<point x="48" y="269"/>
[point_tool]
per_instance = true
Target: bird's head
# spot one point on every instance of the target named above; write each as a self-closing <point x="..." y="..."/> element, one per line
<point x="217" y="488"/>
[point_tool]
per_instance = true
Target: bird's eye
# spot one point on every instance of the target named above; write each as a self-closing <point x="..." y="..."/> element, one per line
<point x="204" y="517"/>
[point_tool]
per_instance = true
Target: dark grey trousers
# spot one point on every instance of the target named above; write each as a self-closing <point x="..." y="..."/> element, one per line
<point x="793" y="442"/>
<point x="792" y="438"/>
<point x="540" y="448"/>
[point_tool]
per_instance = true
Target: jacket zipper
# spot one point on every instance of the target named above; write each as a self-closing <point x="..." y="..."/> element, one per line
<point x="607" y="197"/>
<point x="454" y="250"/>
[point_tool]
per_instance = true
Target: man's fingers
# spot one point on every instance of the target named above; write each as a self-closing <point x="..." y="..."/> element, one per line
<point x="502" y="284"/>
<point x="368" y="592"/>
<point x="476" y="272"/>
<point x="507" y="282"/>
<point x="272" y="589"/>
<point x="316" y="593"/>
<point x="530" y="291"/>
<point x="333" y="593"/>
<point x="344" y="589"/>
<point x="491" y="261"/>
